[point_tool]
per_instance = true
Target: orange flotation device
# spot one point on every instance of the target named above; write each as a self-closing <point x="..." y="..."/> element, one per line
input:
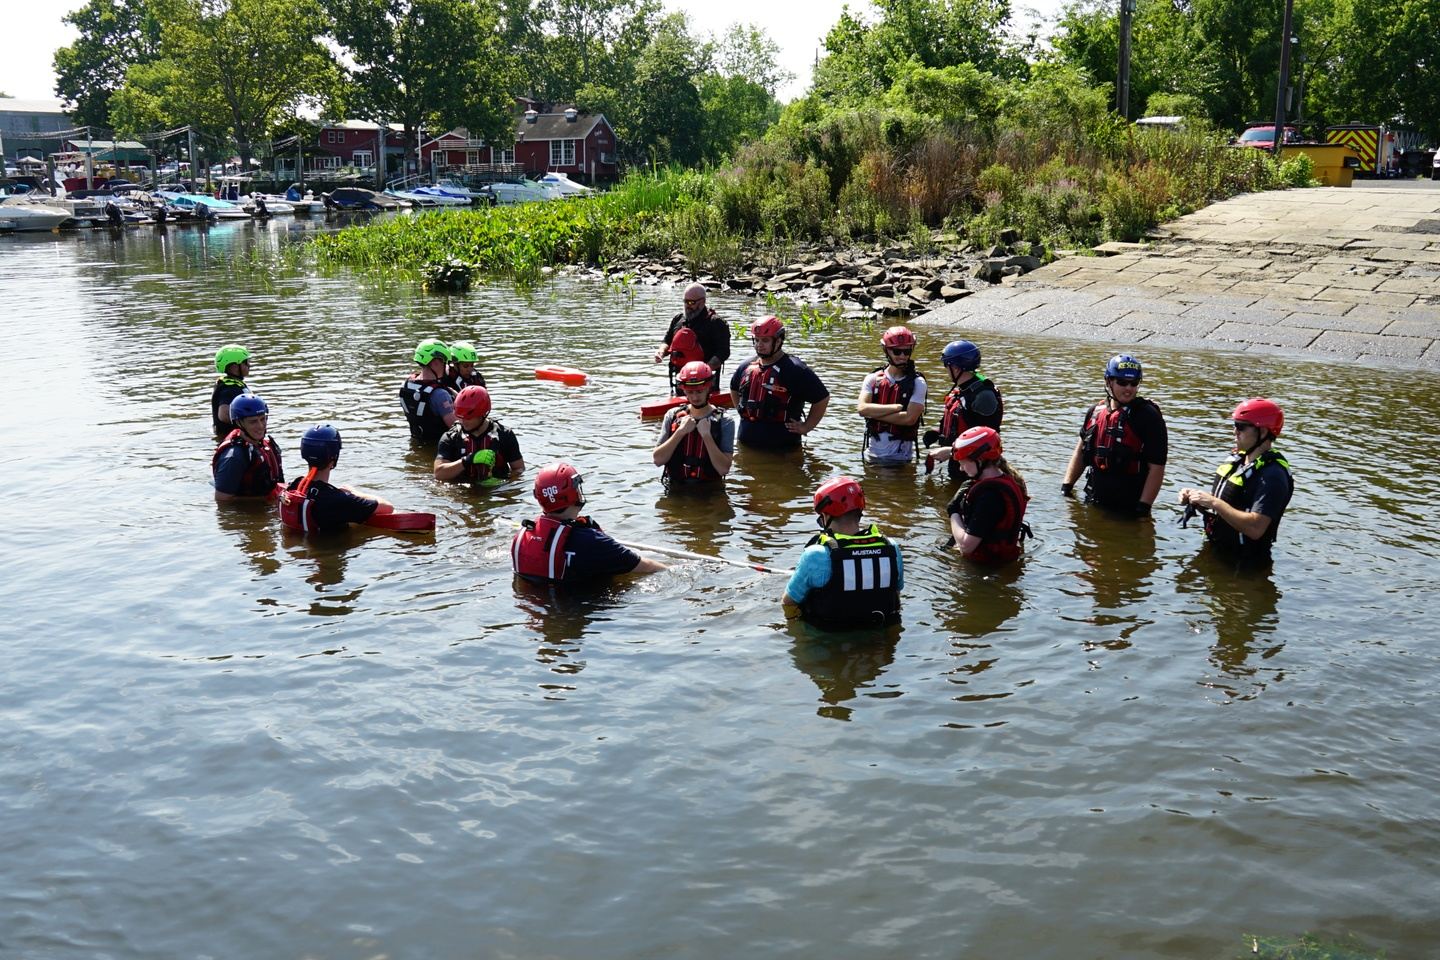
<point x="566" y="375"/>
<point x="657" y="408"/>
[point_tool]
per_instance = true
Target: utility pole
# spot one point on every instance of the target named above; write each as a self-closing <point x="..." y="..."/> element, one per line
<point x="1122" y="85"/>
<point x="1286" y="41"/>
<point x="190" y="143"/>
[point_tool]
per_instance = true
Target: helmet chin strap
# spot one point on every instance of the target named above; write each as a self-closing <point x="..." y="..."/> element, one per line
<point x="823" y="521"/>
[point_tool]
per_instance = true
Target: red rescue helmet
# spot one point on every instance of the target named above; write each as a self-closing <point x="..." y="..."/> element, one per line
<point x="978" y="443"/>
<point x="474" y="401"/>
<point x="1265" y="414"/>
<point x="770" y="326"/>
<point x="898" y="337"/>
<point x="696" y="373"/>
<point x="557" y="486"/>
<point x="837" y="497"/>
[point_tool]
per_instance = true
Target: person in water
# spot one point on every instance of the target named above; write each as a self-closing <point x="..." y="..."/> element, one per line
<point x="561" y="545"/>
<point x="848" y="576"/>
<point x="696" y="333"/>
<point x="973" y="401"/>
<point x="462" y="372"/>
<point x="771" y="390"/>
<point x="312" y="504"/>
<point x="987" y="516"/>
<point x="892" y="401"/>
<point x="1252" y="489"/>
<point x="232" y="362"/>
<point x="696" y="443"/>
<point x="1123" y="444"/>
<point x="477" y="449"/>
<point x="428" y="404"/>
<point x="247" y="461"/>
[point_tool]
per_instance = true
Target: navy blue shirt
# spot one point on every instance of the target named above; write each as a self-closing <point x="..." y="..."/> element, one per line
<point x="804" y="386"/>
<point x="335" y="508"/>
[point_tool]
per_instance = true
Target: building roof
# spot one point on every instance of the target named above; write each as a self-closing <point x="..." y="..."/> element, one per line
<point x="554" y="126"/>
<point x="16" y="105"/>
<point x="360" y="125"/>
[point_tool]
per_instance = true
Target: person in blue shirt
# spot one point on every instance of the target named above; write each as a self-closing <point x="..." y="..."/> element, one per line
<point x="849" y="576"/>
<point x="561" y="545"/>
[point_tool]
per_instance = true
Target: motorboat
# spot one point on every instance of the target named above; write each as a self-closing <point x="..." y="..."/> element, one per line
<point x="359" y="198"/>
<point x="259" y="205"/>
<point x="432" y="197"/>
<point x="514" y="191"/>
<point x="31" y="217"/>
<point x="200" y="207"/>
<point x="561" y="185"/>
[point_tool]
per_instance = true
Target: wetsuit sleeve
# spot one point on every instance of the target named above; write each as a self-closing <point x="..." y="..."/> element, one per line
<point x="1272" y="493"/>
<point x="1155" y="435"/>
<point x="811" y="573"/>
<point x="988" y="510"/>
<point x="664" y="433"/>
<point x="230" y="470"/>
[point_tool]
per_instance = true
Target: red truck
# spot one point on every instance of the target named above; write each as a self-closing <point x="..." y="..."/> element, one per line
<point x="1262" y="136"/>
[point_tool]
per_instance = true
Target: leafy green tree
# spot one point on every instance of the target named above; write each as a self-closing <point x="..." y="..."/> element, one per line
<point x="114" y="34"/>
<point x="737" y="94"/>
<point x="428" y="62"/>
<point x="667" y="116"/>
<point x="573" y="44"/>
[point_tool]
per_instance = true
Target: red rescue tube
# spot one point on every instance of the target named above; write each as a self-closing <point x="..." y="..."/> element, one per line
<point x="566" y="375"/>
<point x="657" y="408"/>
<point x="402" y="521"/>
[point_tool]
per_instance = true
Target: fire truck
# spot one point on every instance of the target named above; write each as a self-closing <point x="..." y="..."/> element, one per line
<point x="1378" y="146"/>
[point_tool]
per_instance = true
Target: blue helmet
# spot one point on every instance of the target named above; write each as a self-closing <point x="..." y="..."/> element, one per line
<point x="246" y="405"/>
<point x="1123" y="366"/>
<point x="320" y="446"/>
<point x="962" y="354"/>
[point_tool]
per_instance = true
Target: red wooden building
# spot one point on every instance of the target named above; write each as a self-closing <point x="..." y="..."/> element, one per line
<point x="352" y="143"/>
<point x="581" y="145"/>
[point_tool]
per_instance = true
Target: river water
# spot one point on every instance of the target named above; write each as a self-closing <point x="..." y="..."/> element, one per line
<point x="221" y="740"/>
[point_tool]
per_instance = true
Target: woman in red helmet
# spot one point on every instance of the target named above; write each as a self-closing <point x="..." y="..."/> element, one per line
<point x="770" y="392"/>
<point x="987" y="516"/>
<point x="1251" y="490"/>
<point x="561" y="545"/>
<point x="892" y="400"/>
<point x="695" y="444"/>
<point x="848" y="576"/>
<point x="477" y="449"/>
<point x="696" y="333"/>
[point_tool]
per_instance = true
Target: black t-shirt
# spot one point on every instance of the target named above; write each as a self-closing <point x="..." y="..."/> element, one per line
<point x="805" y="388"/>
<point x="452" y="447"/>
<point x="1120" y="489"/>
<point x="335" y="508"/>
<point x="712" y="332"/>
<point x="225" y="391"/>
<point x="983" y="513"/>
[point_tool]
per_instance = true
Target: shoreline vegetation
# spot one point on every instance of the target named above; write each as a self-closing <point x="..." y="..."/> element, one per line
<point x="1054" y="171"/>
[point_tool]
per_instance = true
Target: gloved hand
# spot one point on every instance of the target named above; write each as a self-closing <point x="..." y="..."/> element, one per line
<point x="1142" y="509"/>
<point x="930" y="437"/>
<point x="485" y="458"/>
<point x="1067" y="489"/>
<point x="929" y="464"/>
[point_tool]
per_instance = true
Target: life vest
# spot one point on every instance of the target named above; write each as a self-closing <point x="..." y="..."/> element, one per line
<point x="262" y="463"/>
<point x="1111" y="444"/>
<point x="538" y="550"/>
<point x="691" y="462"/>
<point x="1005" y="542"/>
<point x="215" y="403"/>
<point x="885" y="390"/>
<point x="863" y="590"/>
<point x="1231" y="479"/>
<point x="297" y="505"/>
<point x="685" y="347"/>
<point x="489" y="440"/>
<point x="426" y="426"/>
<point x="958" y="415"/>
<point x="458" y="381"/>
<point x="762" y="395"/>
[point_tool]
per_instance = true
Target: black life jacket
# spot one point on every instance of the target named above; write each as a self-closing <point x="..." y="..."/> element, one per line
<point x="426" y="426"/>
<point x="489" y="440"/>
<point x="458" y="381"/>
<point x="691" y="462"/>
<point x="958" y="415"/>
<point x="1005" y="542"/>
<point x="216" y="403"/>
<point x="884" y="390"/>
<point x="538" y="551"/>
<point x="864" y="589"/>
<point x="1231" y="479"/>
<point x="262" y="470"/>
<point x="762" y="396"/>
<point x="1111" y="444"/>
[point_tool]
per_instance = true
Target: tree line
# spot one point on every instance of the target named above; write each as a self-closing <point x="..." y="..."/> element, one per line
<point x="247" y="71"/>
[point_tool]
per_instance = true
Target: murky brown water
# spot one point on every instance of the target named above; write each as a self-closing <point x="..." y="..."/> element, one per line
<point x="224" y="741"/>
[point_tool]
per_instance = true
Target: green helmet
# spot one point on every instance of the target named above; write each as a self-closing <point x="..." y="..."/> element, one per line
<point x="429" y="350"/>
<point x="228" y="354"/>
<point x="463" y="352"/>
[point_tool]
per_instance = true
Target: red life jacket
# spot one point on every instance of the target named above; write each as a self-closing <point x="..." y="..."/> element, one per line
<point x="958" y="417"/>
<point x="1110" y="443"/>
<point x="262" y="470"/>
<point x="296" y="507"/>
<point x="691" y="462"/>
<point x="685" y="348"/>
<point x="884" y="390"/>
<point x="762" y="395"/>
<point x="538" y="550"/>
<point x="1005" y="542"/>
<point x="489" y="440"/>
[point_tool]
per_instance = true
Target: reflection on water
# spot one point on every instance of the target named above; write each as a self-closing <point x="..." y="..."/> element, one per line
<point x="371" y="735"/>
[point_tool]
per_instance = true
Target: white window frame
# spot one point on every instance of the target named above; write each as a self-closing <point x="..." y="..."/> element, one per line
<point x="472" y="158"/>
<point x="362" y="158"/>
<point x="504" y="155"/>
<point x="334" y="136"/>
<point x="562" y="153"/>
